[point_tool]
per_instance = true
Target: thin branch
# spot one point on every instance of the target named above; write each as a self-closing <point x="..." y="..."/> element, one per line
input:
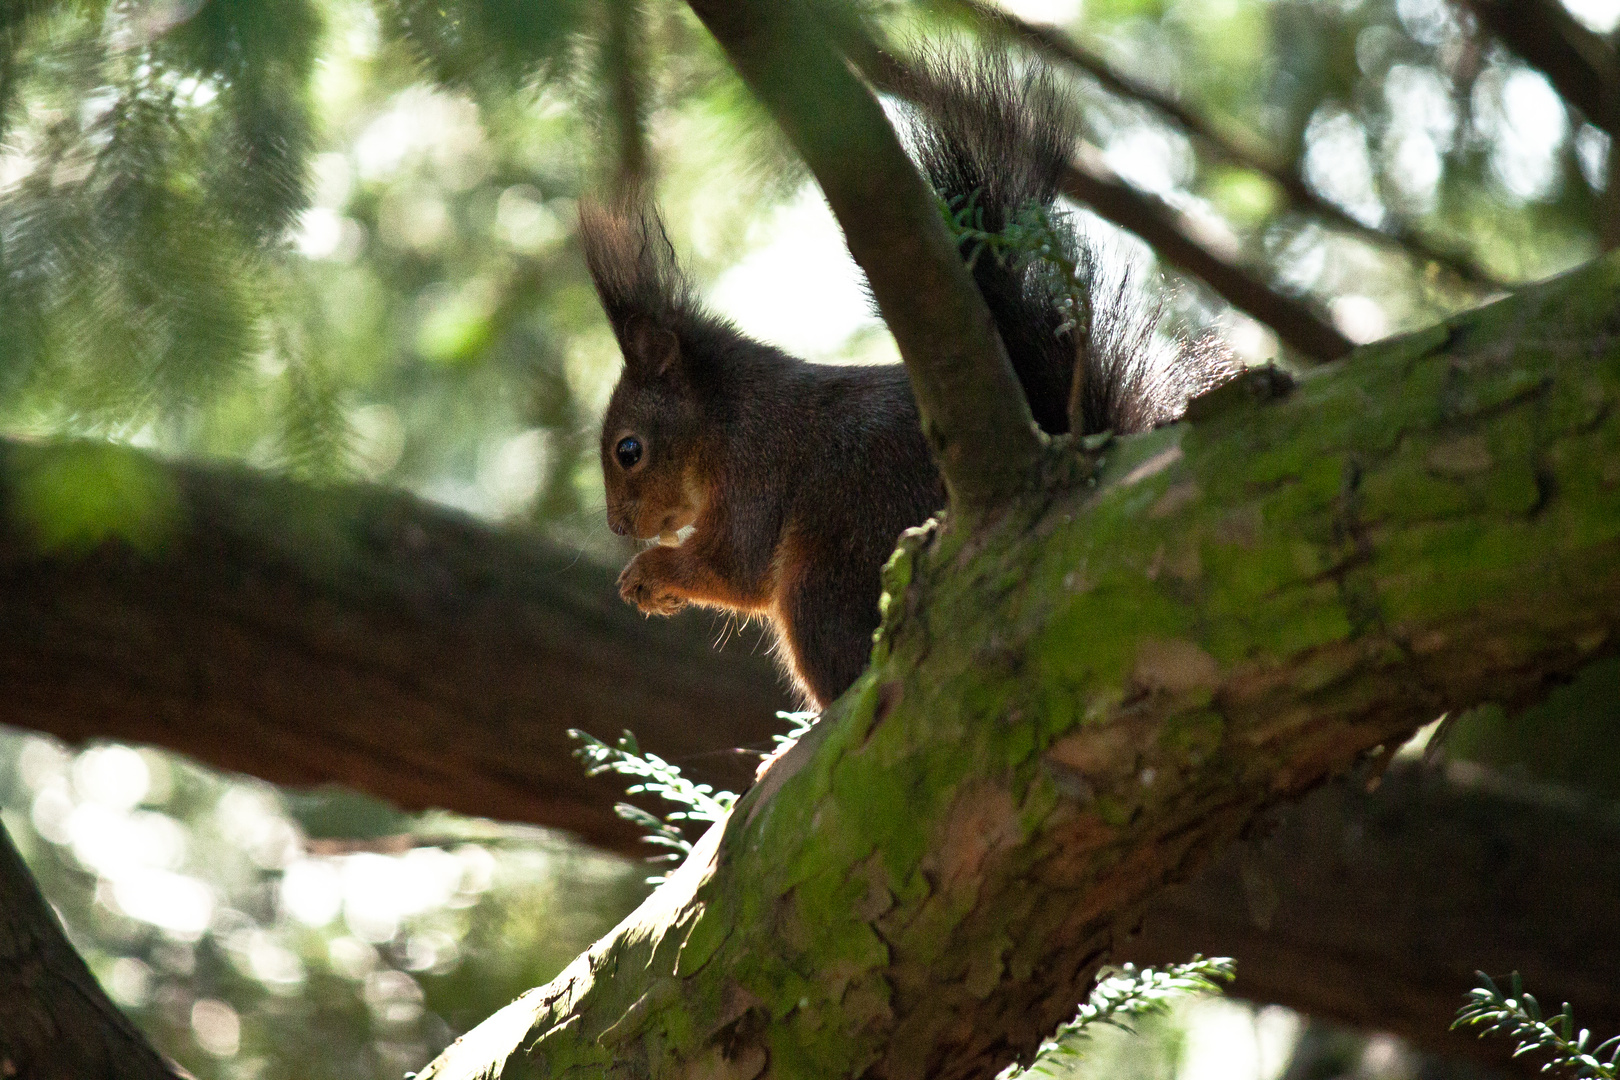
<point x="623" y="58"/>
<point x="1581" y="64"/>
<point x="1234" y="148"/>
<point x="1088" y="181"/>
<point x="973" y="412"/>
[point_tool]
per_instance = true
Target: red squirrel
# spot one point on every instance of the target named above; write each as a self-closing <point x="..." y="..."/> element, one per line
<point x="796" y="478"/>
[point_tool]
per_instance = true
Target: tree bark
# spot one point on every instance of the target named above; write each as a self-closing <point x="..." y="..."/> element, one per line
<point x="349" y="635"/>
<point x="1079" y="700"/>
<point x="55" y="1022"/>
<point x="1376" y="911"/>
<point x="116" y="597"/>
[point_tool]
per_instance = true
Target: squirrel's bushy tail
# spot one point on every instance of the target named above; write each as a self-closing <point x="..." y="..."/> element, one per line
<point x="993" y="141"/>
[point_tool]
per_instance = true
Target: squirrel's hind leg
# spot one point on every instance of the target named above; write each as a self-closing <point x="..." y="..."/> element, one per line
<point x="826" y="619"/>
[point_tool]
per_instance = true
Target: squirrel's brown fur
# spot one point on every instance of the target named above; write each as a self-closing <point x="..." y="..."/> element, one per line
<point x="796" y="478"/>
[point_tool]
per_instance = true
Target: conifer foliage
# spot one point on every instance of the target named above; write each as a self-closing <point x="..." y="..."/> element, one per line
<point x="164" y="153"/>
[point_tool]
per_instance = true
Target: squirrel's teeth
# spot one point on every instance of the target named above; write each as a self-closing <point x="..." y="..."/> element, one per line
<point x="669" y="538"/>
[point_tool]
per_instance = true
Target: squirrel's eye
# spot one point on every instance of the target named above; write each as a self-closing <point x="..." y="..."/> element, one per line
<point x="628" y="451"/>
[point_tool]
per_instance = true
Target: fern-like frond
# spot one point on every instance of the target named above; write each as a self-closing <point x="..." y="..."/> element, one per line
<point x="1518" y="1015"/>
<point x="652" y="775"/>
<point x="1131" y="991"/>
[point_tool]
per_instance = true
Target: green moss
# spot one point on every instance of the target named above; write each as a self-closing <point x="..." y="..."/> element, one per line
<point x="708" y="932"/>
<point x="1293" y="621"/>
<point x="1403" y="350"/>
<point x="1094" y="638"/>
<point x="1193" y="736"/>
<point x="872" y="806"/>
<point x="1406" y="491"/>
<point x="76" y="497"/>
<point x="1456" y="566"/>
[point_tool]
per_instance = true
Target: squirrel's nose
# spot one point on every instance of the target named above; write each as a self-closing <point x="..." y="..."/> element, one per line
<point x="618" y="527"/>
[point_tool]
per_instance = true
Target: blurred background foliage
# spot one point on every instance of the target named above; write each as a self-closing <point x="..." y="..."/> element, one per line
<point x="335" y="238"/>
<point x="246" y="948"/>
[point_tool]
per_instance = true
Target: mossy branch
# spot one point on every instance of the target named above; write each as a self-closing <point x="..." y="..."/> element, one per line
<point x="1086" y="697"/>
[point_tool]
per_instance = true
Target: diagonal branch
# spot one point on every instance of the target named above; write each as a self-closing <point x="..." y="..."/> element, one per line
<point x="973" y="412"/>
<point x="1090" y="182"/>
<point x="1058" y="46"/>
<point x="1581" y="64"/>
<point x="55" y="1021"/>
<point x="1085" y="698"/>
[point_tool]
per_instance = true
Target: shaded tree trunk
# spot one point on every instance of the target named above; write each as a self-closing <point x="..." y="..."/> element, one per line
<point x="1376" y="911"/>
<point x="55" y="1022"/>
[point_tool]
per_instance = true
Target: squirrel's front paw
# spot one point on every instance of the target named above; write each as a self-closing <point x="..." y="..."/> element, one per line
<point x="639" y="584"/>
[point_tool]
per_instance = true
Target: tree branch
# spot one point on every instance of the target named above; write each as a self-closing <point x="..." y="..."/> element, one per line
<point x="1092" y="183"/>
<point x="1056" y="45"/>
<point x="55" y="1022"/>
<point x="624" y="62"/>
<point x="1584" y="67"/>
<point x="1088" y="181"/>
<point x="350" y="635"/>
<point x="128" y="680"/>
<point x="973" y="412"/>
<point x="1378" y="910"/>
<point x="1083" y="699"/>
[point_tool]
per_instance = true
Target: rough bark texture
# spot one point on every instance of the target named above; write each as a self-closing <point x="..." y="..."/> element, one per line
<point x="1376" y="911"/>
<point x="1077" y="701"/>
<point x="351" y="635"/>
<point x="55" y="1023"/>
<point x="973" y="412"/>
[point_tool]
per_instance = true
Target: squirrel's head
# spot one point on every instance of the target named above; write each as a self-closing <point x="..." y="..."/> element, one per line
<point x="650" y="437"/>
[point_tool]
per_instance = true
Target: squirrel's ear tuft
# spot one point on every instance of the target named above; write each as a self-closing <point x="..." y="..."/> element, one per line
<point x="633" y="267"/>
<point x="649" y="349"/>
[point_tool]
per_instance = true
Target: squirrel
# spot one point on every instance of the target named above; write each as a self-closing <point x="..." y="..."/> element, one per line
<point x="797" y="478"/>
